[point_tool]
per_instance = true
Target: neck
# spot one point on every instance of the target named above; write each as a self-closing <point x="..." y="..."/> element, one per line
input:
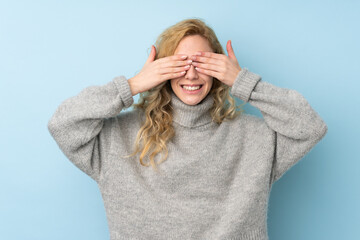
<point x="192" y="115"/>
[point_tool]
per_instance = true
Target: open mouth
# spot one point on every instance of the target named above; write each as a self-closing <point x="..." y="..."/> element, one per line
<point x="191" y="87"/>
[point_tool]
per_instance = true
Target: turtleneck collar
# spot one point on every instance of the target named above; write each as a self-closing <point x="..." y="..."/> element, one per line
<point x="192" y="115"/>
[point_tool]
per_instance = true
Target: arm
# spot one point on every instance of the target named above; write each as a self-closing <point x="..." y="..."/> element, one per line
<point x="298" y="128"/>
<point x="77" y="123"/>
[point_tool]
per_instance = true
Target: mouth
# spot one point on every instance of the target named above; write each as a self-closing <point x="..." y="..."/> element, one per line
<point x="192" y="87"/>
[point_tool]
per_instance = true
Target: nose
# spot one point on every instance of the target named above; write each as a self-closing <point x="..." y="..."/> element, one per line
<point x="191" y="73"/>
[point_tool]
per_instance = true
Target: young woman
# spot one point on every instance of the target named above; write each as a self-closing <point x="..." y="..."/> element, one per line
<point x="185" y="163"/>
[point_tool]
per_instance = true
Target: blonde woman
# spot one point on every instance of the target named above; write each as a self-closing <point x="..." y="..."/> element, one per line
<point x="186" y="162"/>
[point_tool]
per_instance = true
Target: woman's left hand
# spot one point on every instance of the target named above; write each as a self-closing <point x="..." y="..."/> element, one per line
<point x="225" y="68"/>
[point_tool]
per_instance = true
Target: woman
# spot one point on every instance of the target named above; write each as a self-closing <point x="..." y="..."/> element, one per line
<point x="217" y="164"/>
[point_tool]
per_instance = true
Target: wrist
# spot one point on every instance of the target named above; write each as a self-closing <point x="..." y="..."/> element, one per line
<point x="132" y="88"/>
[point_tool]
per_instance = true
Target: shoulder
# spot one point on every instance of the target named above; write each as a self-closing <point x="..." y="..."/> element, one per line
<point x="250" y="123"/>
<point x="128" y="114"/>
<point x="246" y="118"/>
<point x="127" y="120"/>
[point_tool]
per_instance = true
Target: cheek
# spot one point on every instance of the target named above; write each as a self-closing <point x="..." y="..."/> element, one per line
<point x="173" y="82"/>
<point x="209" y="81"/>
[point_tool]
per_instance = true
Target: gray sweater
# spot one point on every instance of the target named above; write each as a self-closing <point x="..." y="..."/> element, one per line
<point x="216" y="181"/>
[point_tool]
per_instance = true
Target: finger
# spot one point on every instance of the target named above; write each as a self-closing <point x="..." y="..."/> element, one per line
<point x="168" y="76"/>
<point x="175" y="63"/>
<point x="173" y="69"/>
<point x="177" y="57"/>
<point x="152" y="55"/>
<point x="209" y="72"/>
<point x="216" y="68"/>
<point x="208" y="59"/>
<point x="230" y="50"/>
<point x="209" y="54"/>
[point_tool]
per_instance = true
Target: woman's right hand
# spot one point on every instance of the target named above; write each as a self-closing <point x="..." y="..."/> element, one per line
<point x="155" y="72"/>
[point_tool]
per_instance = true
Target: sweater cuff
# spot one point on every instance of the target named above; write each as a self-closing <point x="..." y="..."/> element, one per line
<point x="244" y="84"/>
<point x="125" y="91"/>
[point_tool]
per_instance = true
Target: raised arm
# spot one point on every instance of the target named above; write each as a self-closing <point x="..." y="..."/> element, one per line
<point x="78" y="121"/>
<point x="297" y="126"/>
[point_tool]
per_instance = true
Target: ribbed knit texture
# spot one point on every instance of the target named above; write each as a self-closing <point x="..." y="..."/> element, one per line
<point x="183" y="114"/>
<point x="216" y="181"/>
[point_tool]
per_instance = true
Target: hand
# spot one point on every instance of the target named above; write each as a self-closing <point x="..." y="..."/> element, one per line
<point x="225" y="68"/>
<point x="155" y="72"/>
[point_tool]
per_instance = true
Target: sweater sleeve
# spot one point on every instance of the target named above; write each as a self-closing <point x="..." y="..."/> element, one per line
<point x="78" y="122"/>
<point x="297" y="126"/>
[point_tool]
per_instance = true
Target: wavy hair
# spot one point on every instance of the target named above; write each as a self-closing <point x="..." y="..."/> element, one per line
<point x="157" y="129"/>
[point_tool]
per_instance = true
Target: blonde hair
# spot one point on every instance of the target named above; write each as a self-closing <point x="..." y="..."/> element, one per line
<point x="157" y="129"/>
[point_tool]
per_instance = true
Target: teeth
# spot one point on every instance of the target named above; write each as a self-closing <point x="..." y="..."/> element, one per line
<point x="191" y="88"/>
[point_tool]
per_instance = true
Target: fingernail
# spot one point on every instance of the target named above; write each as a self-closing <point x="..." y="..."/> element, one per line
<point x="184" y="56"/>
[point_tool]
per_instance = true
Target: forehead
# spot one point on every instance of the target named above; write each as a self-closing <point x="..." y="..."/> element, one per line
<point x="191" y="44"/>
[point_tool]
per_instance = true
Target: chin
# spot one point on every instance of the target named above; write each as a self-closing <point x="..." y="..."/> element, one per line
<point x="191" y="102"/>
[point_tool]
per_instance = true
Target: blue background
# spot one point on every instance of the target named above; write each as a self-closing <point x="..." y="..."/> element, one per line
<point x="51" y="50"/>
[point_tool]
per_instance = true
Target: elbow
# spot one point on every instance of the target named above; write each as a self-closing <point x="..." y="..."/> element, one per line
<point x="320" y="132"/>
<point x="52" y="126"/>
<point x="323" y="130"/>
<point x="313" y="132"/>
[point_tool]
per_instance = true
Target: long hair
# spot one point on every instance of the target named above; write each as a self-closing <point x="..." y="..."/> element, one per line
<point x="157" y="129"/>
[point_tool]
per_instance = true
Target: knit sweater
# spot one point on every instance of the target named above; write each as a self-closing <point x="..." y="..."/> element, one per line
<point x="216" y="181"/>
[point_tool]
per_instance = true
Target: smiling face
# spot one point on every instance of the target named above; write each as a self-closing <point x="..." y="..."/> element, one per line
<point x="189" y="45"/>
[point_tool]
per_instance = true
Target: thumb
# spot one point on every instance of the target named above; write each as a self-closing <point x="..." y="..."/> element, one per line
<point x="152" y="55"/>
<point x="230" y="50"/>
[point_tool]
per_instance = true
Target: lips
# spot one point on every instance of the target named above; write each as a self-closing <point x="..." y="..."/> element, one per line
<point x="194" y="89"/>
<point x="191" y="85"/>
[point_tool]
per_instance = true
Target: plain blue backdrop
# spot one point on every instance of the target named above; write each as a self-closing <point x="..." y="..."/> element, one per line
<point x="51" y="50"/>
